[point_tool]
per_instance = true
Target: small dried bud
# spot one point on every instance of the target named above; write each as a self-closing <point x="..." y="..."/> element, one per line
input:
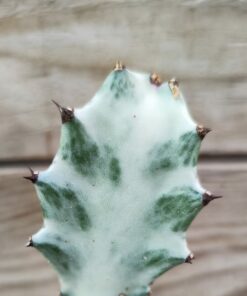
<point x="155" y="79"/>
<point x="174" y="86"/>
<point x="119" y="66"/>
<point x="202" y="131"/>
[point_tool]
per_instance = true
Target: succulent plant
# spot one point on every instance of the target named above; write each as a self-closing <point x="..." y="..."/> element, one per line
<point x="122" y="189"/>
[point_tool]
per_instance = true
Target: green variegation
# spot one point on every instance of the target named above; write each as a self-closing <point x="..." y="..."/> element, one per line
<point x="122" y="188"/>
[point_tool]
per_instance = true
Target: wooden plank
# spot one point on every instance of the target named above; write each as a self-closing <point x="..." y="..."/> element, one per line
<point x="218" y="238"/>
<point x="63" y="50"/>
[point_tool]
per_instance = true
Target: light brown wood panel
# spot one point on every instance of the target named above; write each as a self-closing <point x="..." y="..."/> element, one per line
<point x="63" y="50"/>
<point x="218" y="237"/>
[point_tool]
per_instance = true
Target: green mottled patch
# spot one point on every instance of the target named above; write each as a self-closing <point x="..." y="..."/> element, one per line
<point x="171" y="262"/>
<point x="50" y="194"/>
<point x="158" y="261"/>
<point x="138" y="293"/>
<point x="112" y="165"/>
<point x="188" y="148"/>
<point x="115" y="170"/>
<point x="172" y="154"/>
<point x="64" y="262"/>
<point x="50" y="199"/>
<point x="154" y="258"/>
<point x="121" y="85"/>
<point x="78" y="148"/>
<point x="78" y="211"/>
<point x="176" y="208"/>
<point x="62" y="204"/>
<point x="163" y="157"/>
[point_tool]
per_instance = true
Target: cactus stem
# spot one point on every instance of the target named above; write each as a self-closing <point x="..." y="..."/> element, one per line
<point x="202" y="131"/>
<point x="190" y="258"/>
<point x="208" y="196"/>
<point x="119" y="66"/>
<point x="34" y="176"/>
<point x="174" y="86"/>
<point x="29" y="243"/>
<point x="99" y="178"/>
<point x="67" y="113"/>
<point x="155" y="79"/>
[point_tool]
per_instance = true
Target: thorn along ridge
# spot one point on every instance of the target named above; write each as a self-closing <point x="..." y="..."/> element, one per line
<point x="174" y="87"/>
<point x="34" y="176"/>
<point x="202" y="131"/>
<point x="29" y="243"/>
<point x="155" y="79"/>
<point x="190" y="258"/>
<point x="67" y="113"/>
<point x="119" y="66"/>
<point x="208" y="196"/>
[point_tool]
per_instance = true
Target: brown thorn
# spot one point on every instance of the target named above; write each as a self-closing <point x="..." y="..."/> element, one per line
<point x="29" y="243"/>
<point x="189" y="258"/>
<point x="174" y="87"/>
<point x="155" y="79"/>
<point x="119" y="66"/>
<point x="34" y="176"/>
<point x="56" y="103"/>
<point x="208" y="196"/>
<point x="202" y="131"/>
<point x="67" y="113"/>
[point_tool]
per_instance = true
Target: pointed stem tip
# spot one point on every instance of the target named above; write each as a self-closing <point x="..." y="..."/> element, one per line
<point x="190" y="258"/>
<point x="119" y="66"/>
<point x="202" y="131"/>
<point x="67" y="113"/>
<point x="155" y="79"/>
<point x="34" y="176"/>
<point x="208" y="196"/>
<point x="29" y="243"/>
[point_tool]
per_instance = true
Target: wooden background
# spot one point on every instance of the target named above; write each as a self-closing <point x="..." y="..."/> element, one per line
<point x="63" y="49"/>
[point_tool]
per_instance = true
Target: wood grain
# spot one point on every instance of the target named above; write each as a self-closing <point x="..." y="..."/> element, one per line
<point x="63" y="50"/>
<point x="218" y="238"/>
